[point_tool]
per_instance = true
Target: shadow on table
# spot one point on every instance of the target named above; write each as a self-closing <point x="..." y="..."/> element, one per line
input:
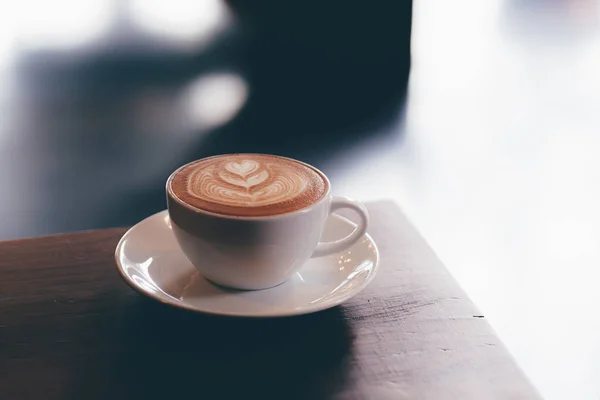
<point x="168" y="353"/>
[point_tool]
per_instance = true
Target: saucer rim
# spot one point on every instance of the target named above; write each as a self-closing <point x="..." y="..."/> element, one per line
<point x="277" y="314"/>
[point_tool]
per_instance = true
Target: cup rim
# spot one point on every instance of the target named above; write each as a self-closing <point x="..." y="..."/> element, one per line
<point x="171" y="195"/>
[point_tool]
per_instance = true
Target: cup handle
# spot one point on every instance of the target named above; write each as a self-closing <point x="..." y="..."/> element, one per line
<point x="327" y="248"/>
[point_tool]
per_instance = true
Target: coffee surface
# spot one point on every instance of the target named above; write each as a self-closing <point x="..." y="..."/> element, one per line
<point x="248" y="185"/>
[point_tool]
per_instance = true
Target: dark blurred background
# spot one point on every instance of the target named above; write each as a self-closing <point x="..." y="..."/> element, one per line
<point x="101" y="99"/>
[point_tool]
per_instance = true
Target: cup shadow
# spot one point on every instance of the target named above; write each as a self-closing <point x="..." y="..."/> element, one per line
<point x="168" y="353"/>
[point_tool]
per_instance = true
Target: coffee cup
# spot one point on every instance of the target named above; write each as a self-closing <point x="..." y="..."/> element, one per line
<point x="250" y="221"/>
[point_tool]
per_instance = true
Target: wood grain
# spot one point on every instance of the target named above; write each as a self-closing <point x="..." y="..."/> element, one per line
<point x="71" y="329"/>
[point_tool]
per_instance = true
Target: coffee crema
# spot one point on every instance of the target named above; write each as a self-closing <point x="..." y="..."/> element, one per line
<point x="252" y="185"/>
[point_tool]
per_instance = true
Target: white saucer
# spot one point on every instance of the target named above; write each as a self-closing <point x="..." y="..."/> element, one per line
<point x="149" y="259"/>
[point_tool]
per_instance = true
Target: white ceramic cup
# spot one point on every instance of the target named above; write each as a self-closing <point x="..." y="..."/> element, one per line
<point x="258" y="252"/>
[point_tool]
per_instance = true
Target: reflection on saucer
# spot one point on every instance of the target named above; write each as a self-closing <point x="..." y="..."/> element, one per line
<point x="150" y="261"/>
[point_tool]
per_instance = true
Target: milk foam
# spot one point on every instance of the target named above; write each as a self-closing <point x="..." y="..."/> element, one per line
<point x="250" y="181"/>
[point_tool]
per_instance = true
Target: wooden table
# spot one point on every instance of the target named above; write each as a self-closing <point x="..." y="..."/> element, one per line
<point x="71" y="329"/>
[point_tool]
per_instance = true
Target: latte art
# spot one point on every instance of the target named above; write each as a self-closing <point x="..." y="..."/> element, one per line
<point x="248" y="184"/>
<point x="245" y="183"/>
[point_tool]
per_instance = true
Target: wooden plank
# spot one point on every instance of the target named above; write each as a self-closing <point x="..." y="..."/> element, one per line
<point x="70" y="328"/>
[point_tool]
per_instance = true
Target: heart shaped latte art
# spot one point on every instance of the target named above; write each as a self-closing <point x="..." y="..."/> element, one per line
<point x="242" y="169"/>
<point x="243" y="174"/>
<point x="245" y="183"/>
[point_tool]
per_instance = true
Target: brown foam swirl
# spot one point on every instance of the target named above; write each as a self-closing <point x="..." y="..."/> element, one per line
<point x="248" y="185"/>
